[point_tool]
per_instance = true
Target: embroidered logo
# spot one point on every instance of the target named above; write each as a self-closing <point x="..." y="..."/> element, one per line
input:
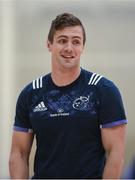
<point x="60" y="110"/>
<point x="81" y="103"/>
<point x="40" y="107"/>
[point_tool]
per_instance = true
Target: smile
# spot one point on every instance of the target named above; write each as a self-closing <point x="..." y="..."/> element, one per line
<point x="67" y="57"/>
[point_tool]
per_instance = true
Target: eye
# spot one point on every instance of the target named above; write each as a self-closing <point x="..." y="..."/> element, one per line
<point x="76" y="42"/>
<point x="62" y="41"/>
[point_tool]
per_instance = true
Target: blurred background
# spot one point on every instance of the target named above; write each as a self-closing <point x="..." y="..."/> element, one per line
<point x="110" y="51"/>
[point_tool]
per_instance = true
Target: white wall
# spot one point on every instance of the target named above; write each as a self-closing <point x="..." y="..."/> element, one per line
<point x="110" y="50"/>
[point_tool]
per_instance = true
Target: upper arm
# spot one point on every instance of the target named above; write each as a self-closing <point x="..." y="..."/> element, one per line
<point x="22" y="138"/>
<point x="114" y="138"/>
<point x="111" y="110"/>
<point x="22" y="143"/>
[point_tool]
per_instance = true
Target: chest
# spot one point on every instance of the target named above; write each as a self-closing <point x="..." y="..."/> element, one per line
<point x="54" y="109"/>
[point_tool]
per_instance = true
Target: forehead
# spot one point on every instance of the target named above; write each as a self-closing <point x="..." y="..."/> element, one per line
<point x="73" y="31"/>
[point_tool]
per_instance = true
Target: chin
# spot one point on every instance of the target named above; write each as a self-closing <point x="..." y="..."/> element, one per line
<point x="70" y="66"/>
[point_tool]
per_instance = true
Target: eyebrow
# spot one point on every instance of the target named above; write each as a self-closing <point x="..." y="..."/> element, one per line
<point x="63" y="36"/>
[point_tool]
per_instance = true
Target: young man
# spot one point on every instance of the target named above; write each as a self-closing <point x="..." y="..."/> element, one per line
<point x="76" y="116"/>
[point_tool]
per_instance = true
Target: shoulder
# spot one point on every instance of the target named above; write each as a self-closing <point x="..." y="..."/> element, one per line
<point x="107" y="86"/>
<point x="34" y="86"/>
<point x="101" y="84"/>
<point x="98" y="80"/>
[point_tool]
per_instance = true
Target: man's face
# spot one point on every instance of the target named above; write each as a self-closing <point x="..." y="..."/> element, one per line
<point x="67" y="47"/>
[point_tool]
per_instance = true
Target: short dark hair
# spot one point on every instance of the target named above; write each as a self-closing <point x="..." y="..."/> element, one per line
<point x="64" y="20"/>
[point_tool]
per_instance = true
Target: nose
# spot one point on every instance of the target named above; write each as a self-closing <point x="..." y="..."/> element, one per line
<point x="68" y="47"/>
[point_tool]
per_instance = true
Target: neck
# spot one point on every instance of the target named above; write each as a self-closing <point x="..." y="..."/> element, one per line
<point x="63" y="77"/>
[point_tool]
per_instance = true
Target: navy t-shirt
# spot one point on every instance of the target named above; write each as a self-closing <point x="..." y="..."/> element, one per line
<point x="67" y="122"/>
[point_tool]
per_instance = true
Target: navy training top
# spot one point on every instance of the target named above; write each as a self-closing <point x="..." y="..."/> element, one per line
<point x="67" y="123"/>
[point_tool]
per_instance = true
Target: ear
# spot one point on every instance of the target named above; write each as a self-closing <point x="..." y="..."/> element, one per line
<point x="49" y="45"/>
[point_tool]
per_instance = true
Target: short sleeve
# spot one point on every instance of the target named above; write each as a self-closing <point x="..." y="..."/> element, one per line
<point x="111" y="111"/>
<point x="22" y="122"/>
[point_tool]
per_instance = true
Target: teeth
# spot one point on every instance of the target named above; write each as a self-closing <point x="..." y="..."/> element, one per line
<point x="68" y="56"/>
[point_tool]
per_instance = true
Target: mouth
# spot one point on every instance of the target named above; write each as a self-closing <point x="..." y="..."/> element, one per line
<point x="67" y="56"/>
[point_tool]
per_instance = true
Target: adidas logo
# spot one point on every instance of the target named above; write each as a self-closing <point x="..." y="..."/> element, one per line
<point x="40" y="107"/>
